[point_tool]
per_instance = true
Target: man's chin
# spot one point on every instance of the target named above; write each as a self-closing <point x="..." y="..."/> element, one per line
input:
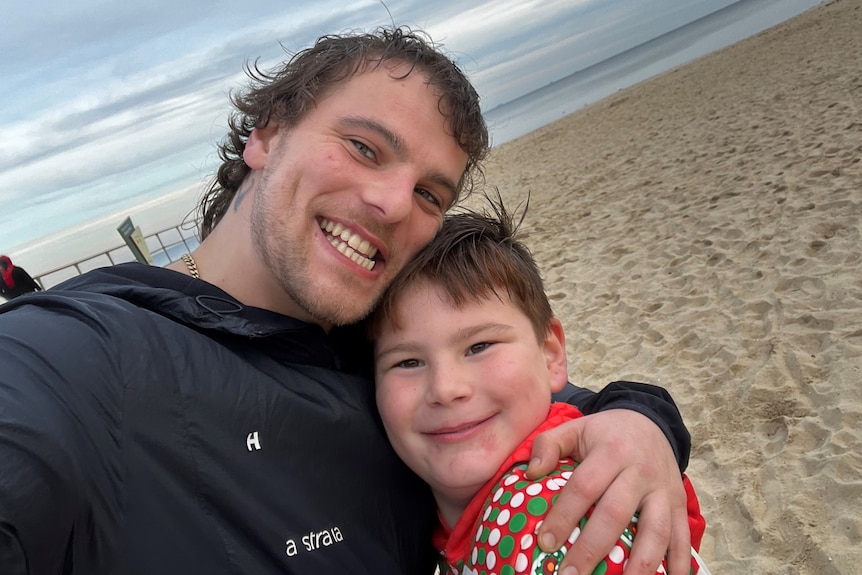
<point x="331" y="299"/>
<point x="347" y="311"/>
<point x="350" y="317"/>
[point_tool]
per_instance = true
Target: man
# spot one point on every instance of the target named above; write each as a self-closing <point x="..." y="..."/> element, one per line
<point x="218" y="420"/>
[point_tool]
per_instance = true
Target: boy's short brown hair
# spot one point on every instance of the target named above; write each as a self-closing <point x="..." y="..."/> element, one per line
<point x="474" y="255"/>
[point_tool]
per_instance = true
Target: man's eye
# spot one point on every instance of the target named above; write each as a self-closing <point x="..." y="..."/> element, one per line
<point x="428" y="196"/>
<point x="478" y="347"/>
<point x="364" y="150"/>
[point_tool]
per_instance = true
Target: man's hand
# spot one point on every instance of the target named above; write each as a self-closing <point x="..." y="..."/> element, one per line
<point x="626" y="465"/>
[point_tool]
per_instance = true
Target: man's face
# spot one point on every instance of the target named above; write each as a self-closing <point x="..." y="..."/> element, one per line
<point x="459" y="389"/>
<point x="352" y="192"/>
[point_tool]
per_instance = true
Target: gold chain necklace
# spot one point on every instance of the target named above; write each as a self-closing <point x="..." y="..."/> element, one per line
<point x="191" y="265"/>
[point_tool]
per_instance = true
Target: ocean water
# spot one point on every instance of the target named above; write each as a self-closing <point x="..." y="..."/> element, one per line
<point x="708" y="34"/>
<point x="506" y="122"/>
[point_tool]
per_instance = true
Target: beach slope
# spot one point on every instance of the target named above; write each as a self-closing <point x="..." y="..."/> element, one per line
<point x="702" y="231"/>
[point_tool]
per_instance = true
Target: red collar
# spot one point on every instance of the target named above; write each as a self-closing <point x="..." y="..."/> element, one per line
<point x="455" y="541"/>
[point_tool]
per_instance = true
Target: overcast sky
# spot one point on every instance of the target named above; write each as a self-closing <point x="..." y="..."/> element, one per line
<point x="106" y="103"/>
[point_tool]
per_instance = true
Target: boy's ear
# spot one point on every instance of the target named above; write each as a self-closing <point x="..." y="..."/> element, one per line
<point x="555" y="355"/>
<point x="258" y="146"/>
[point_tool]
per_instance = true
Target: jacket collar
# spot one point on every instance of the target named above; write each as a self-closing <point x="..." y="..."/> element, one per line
<point x="204" y="306"/>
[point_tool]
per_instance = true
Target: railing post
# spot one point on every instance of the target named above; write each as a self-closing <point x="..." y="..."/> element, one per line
<point x="164" y="254"/>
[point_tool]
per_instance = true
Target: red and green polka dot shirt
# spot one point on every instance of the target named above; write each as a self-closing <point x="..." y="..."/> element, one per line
<point x="496" y="534"/>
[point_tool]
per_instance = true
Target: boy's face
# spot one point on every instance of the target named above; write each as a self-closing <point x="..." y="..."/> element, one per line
<point x="460" y="389"/>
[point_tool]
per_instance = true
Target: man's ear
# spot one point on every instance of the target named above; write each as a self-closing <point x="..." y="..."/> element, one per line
<point x="555" y="355"/>
<point x="258" y="146"/>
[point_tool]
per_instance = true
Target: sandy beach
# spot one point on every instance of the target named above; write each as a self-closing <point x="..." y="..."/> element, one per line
<point x="702" y="231"/>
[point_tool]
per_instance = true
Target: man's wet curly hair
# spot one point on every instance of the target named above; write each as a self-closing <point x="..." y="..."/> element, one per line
<point x="286" y="94"/>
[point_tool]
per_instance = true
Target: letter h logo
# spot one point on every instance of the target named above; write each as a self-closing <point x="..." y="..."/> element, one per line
<point x="253" y="441"/>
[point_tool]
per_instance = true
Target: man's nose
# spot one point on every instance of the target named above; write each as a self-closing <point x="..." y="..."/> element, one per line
<point x="391" y="196"/>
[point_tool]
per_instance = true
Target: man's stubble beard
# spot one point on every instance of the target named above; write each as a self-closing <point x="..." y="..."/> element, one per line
<point x="290" y="268"/>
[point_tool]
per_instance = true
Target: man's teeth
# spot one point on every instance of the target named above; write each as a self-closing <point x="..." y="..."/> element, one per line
<point x="351" y="245"/>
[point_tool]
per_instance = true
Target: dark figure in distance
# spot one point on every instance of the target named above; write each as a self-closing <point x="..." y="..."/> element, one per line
<point x="15" y="281"/>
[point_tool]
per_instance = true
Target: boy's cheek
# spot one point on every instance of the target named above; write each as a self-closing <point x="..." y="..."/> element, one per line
<point x="386" y="402"/>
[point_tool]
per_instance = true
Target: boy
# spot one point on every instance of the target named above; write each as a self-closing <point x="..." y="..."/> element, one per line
<point x="467" y="354"/>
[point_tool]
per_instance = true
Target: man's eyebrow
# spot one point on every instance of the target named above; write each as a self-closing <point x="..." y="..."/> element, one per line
<point x="394" y="141"/>
<point x="398" y="146"/>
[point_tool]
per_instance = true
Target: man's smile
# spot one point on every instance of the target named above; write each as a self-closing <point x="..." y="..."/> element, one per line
<point x="349" y="243"/>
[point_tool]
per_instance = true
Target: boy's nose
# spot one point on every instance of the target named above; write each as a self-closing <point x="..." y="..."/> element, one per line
<point x="448" y="385"/>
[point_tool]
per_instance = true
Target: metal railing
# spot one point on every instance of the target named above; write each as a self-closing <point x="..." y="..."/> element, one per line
<point x="165" y="247"/>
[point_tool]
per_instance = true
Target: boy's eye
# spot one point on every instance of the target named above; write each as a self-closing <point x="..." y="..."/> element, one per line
<point x="478" y="347"/>
<point x="408" y="364"/>
<point x="364" y="149"/>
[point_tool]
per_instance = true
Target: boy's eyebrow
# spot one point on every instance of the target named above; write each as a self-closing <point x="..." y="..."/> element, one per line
<point x="396" y="143"/>
<point x="473" y="330"/>
<point x="456" y="337"/>
<point x="403" y="347"/>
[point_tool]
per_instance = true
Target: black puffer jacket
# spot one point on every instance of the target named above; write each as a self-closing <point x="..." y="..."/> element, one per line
<point x="149" y="423"/>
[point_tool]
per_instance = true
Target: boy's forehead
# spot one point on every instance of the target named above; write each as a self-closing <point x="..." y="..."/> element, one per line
<point x="422" y="288"/>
